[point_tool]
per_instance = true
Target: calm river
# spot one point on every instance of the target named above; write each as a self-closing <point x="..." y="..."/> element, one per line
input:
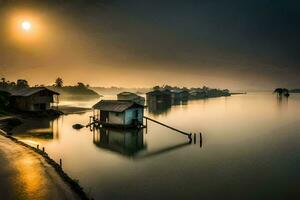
<point x="250" y="150"/>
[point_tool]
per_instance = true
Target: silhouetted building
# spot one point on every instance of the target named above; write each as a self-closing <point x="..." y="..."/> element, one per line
<point x="129" y="96"/>
<point x="120" y="113"/>
<point x="159" y="96"/>
<point x="32" y="99"/>
<point x="181" y="95"/>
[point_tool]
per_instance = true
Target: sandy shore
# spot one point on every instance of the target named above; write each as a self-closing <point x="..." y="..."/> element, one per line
<point x="25" y="174"/>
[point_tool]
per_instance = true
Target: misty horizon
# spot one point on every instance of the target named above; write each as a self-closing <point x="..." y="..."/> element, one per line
<point x="236" y="45"/>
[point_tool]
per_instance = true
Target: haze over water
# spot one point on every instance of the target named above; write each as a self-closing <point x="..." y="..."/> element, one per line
<point x="250" y="150"/>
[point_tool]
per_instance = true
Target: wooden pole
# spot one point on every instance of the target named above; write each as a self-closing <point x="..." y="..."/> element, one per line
<point x="60" y="163"/>
<point x="184" y="133"/>
<point x="146" y="125"/>
<point x="195" y="137"/>
<point x="37" y="146"/>
<point x="200" y="136"/>
<point x="43" y="149"/>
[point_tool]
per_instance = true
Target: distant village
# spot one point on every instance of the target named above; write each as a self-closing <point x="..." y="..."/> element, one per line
<point x="20" y="97"/>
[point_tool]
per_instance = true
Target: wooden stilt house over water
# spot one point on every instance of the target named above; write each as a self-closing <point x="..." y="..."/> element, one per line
<point x="159" y="96"/>
<point x="129" y="96"/>
<point x="32" y="99"/>
<point x="118" y="113"/>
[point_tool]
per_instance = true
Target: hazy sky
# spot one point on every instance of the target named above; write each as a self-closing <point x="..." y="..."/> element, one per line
<point x="245" y="44"/>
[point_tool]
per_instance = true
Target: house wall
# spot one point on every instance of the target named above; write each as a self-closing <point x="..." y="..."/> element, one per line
<point x="28" y="103"/>
<point x="130" y="115"/>
<point x="116" y="118"/>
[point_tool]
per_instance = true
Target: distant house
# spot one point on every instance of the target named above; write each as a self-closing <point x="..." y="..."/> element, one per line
<point x="159" y="96"/>
<point x="179" y="94"/>
<point x="120" y="113"/>
<point x="129" y="96"/>
<point x="32" y="99"/>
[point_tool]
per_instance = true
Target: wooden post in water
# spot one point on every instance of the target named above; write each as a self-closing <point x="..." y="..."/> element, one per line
<point x="195" y="137"/>
<point x="37" y="146"/>
<point x="43" y="149"/>
<point x="200" y="135"/>
<point x="60" y="163"/>
<point x="146" y="125"/>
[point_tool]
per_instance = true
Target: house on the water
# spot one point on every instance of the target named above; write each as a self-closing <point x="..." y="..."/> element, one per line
<point x="129" y="96"/>
<point x="159" y="96"/>
<point x="179" y="95"/>
<point x="32" y="99"/>
<point x="119" y="113"/>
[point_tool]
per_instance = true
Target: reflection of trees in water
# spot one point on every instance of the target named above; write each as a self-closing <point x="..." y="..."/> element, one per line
<point x="126" y="142"/>
<point x="282" y="102"/>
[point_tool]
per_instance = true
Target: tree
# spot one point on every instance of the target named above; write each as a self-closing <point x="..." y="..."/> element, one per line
<point x="156" y="87"/>
<point x="59" y="82"/>
<point x="282" y="91"/>
<point x="81" y="85"/>
<point x="21" y="83"/>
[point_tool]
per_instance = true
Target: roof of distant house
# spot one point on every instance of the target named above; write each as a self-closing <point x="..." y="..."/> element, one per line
<point x="115" y="105"/>
<point x="127" y="94"/>
<point x="25" y="92"/>
<point x="160" y="91"/>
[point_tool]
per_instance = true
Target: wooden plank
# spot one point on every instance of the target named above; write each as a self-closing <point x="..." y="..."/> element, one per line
<point x="174" y="129"/>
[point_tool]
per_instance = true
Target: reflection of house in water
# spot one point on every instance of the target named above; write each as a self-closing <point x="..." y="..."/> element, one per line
<point x="127" y="142"/>
<point x="158" y="108"/>
<point x="129" y="96"/>
<point x="41" y="129"/>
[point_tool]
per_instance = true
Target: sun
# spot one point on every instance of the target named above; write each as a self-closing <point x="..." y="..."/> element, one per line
<point x="26" y="25"/>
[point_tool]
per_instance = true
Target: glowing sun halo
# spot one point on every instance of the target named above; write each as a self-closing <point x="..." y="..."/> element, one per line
<point x="26" y="25"/>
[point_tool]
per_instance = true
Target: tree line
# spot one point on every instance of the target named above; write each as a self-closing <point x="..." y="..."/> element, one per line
<point x="22" y="83"/>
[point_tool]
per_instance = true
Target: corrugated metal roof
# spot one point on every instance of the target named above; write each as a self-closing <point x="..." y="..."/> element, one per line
<point x="115" y="105"/>
<point x="25" y="92"/>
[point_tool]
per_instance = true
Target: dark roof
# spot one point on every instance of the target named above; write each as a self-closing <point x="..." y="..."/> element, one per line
<point x="25" y="92"/>
<point x="127" y="94"/>
<point x="115" y="105"/>
<point x="155" y="92"/>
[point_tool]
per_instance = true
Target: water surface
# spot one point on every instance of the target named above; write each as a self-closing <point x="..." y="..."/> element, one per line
<point x="250" y="150"/>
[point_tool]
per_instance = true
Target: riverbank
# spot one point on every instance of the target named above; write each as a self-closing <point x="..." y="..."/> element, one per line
<point x="29" y="173"/>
